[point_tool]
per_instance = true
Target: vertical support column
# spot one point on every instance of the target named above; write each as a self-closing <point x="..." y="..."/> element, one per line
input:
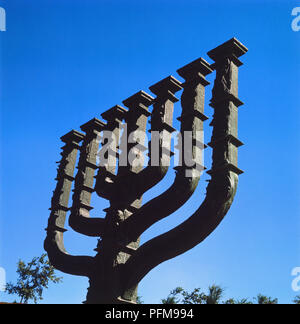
<point x="136" y="120"/>
<point x="192" y="118"/>
<point x="54" y="243"/>
<point x="65" y="177"/>
<point x="108" y="155"/>
<point x="225" y="103"/>
<point x="132" y="160"/>
<point x="84" y="180"/>
<point x="114" y="118"/>
<point x="162" y="121"/>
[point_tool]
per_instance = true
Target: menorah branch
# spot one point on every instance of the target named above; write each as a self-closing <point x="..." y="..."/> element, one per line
<point x="188" y="173"/>
<point x="79" y="218"/>
<point x="194" y="230"/>
<point x="161" y="130"/>
<point x="54" y="242"/>
<point x="109" y="152"/>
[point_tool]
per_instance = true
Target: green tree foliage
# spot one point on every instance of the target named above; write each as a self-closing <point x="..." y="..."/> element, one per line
<point x="33" y="277"/>
<point x="172" y="298"/>
<point x="297" y="300"/>
<point x="214" y="296"/>
<point x="181" y="296"/>
<point x="243" y="301"/>
<point x="264" y="300"/>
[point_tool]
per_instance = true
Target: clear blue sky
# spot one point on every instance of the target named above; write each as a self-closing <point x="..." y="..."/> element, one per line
<point x="64" y="62"/>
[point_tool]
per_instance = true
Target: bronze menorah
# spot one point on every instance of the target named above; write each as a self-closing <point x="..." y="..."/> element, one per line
<point x="120" y="263"/>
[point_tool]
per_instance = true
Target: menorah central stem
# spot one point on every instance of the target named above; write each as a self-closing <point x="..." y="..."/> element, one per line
<point x="114" y="249"/>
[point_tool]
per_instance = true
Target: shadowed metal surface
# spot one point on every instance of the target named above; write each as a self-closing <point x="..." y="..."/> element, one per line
<point x="120" y="262"/>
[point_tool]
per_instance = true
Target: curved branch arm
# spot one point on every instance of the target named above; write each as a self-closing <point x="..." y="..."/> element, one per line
<point x="160" y="144"/>
<point x="61" y="260"/>
<point x="54" y="244"/>
<point x="224" y="173"/>
<point x="188" y="175"/>
<point x="187" y="235"/>
<point x="79" y="219"/>
<point x="160" y="207"/>
<point x="131" y="157"/>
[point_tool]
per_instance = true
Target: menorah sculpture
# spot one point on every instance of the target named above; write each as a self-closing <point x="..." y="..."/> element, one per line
<point x="120" y="263"/>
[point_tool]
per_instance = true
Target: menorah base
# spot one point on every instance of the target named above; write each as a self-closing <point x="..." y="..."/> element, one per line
<point x="108" y="290"/>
